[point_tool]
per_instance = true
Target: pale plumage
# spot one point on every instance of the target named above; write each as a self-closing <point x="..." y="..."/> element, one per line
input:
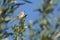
<point x="21" y="15"/>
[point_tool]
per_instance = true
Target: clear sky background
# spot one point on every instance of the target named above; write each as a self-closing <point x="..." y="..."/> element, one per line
<point x="32" y="15"/>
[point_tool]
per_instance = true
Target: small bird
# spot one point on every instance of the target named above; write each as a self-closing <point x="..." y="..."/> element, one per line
<point x="20" y="15"/>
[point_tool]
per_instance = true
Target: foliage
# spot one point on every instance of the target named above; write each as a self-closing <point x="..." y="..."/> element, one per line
<point x="7" y="9"/>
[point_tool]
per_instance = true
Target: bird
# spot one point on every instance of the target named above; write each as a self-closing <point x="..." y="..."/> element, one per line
<point x="20" y="16"/>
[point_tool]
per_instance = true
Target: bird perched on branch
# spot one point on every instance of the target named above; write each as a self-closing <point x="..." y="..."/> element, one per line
<point x="20" y="16"/>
